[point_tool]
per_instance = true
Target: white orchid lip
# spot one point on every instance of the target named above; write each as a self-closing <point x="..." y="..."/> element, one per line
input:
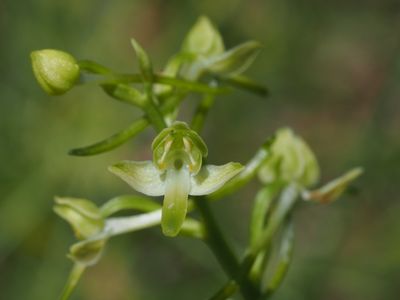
<point x="175" y="184"/>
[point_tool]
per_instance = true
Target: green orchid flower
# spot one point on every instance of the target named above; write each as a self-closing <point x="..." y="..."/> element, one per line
<point x="292" y="160"/>
<point x="176" y="172"/>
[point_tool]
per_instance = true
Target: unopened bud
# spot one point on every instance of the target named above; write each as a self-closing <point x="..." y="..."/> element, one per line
<point x="291" y="160"/>
<point x="55" y="70"/>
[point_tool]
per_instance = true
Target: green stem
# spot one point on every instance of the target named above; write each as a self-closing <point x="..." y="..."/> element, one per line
<point x="190" y="85"/>
<point x="109" y="78"/>
<point x="74" y="276"/>
<point x="229" y="289"/>
<point x="246" y="84"/>
<point x="250" y="170"/>
<point x="222" y="251"/>
<point x="285" y="256"/>
<point x="201" y="112"/>
<point x="155" y="115"/>
<point x="285" y="204"/>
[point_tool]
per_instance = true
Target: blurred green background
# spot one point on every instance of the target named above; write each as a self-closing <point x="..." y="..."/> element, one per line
<point x="333" y="69"/>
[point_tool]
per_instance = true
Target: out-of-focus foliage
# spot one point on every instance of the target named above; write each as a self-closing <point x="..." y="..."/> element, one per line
<point x="333" y="70"/>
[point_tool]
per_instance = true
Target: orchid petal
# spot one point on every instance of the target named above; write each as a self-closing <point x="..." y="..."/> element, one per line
<point x="211" y="178"/>
<point x="143" y="176"/>
<point x="177" y="186"/>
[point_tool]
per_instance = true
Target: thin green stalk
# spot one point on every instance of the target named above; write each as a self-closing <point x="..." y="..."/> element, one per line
<point x="286" y="202"/>
<point x="215" y="238"/>
<point x="190" y="85"/>
<point x="193" y="86"/>
<point x="246" y="84"/>
<point x="155" y="115"/>
<point x="250" y="170"/>
<point x="229" y="289"/>
<point x="201" y="112"/>
<point x="74" y="276"/>
<point x="222" y="251"/>
<point x="284" y="259"/>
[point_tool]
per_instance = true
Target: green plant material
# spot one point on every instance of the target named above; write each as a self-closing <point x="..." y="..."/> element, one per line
<point x="285" y="254"/>
<point x="249" y="172"/>
<point x="176" y="172"/>
<point x="201" y="112"/>
<point x="88" y="252"/>
<point x="93" y="67"/>
<point x="262" y="205"/>
<point x="193" y="228"/>
<point x="191" y="85"/>
<point x="56" y="71"/>
<point x="291" y="160"/>
<point x="218" y="244"/>
<point x="83" y="216"/>
<point x="284" y="205"/>
<point x="258" y="267"/>
<point x="125" y="93"/>
<point x="246" y="84"/>
<point x="228" y="290"/>
<point x="234" y="61"/>
<point x="73" y="279"/>
<point x="113" y="141"/>
<point x="203" y="39"/>
<point x="178" y="144"/>
<point x="285" y="164"/>
<point x="175" y="184"/>
<point x="128" y="202"/>
<point x="333" y="189"/>
<point x="145" y="65"/>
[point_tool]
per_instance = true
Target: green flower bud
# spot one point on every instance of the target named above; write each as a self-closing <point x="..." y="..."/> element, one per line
<point x="203" y="39"/>
<point x="83" y="215"/>
<point x="56" y="71"/>
<point x="291" y="160"/>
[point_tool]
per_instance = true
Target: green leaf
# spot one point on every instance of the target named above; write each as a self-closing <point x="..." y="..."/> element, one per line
<point x="128" y="202"/>
<point x="144" y="61"/>
<point x="234" y="61"/>
<point x="125" y="93"/>
<point x="334" y="189"/>
<point x="113" y="141"/>
<point x="203" y="39"/>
